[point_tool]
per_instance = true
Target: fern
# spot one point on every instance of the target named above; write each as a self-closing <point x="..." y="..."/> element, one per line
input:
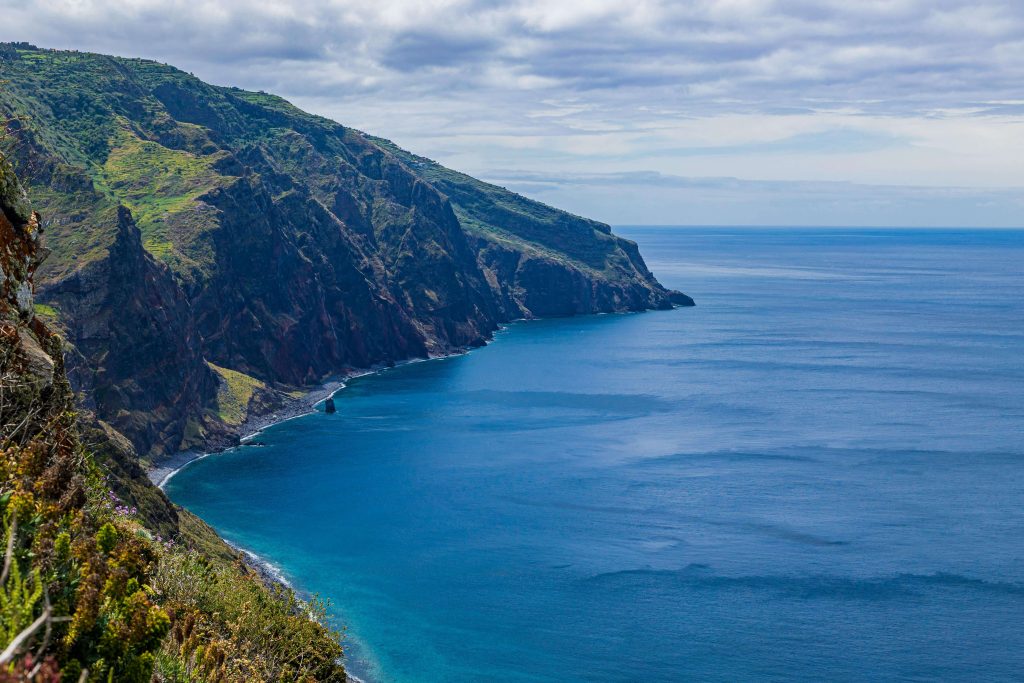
<point x="19" y="597"/>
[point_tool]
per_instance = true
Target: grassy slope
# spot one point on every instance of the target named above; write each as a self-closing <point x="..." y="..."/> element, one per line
<point x="90" y="118"/>
<point x="161" y="186"/>
<point x="234" y="394"/>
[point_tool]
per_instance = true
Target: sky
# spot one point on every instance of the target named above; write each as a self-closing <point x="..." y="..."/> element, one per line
<point x="707" y="112"/>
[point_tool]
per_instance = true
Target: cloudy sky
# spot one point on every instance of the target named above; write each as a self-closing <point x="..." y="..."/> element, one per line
<point x="808" y="112"/>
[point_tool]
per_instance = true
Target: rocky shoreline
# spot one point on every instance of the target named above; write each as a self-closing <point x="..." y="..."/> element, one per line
<point x="163" y="470"/>
<point x="160" y="473"/>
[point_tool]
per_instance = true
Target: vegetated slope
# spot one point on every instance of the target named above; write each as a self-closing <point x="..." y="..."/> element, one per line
<point x="102" y="578"/>
<point x="199" y="231"/>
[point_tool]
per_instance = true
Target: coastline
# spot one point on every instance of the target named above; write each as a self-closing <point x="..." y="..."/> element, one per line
<point x="270" y="574"/>
<point x="163" y="471"/>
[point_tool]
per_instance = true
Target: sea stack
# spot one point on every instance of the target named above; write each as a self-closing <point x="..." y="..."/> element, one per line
<point x="329" y="406"/>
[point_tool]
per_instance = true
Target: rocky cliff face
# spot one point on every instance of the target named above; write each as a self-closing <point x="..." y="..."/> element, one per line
<point x="540" y="261"/>
<point x="136" y="350"/>
<point x="209" y="240"/>
<point x="20" y="250"/>
<point x="35" y="395"/>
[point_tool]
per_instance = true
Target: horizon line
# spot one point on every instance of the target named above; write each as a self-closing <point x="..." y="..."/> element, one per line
<point x="783" y="226"/>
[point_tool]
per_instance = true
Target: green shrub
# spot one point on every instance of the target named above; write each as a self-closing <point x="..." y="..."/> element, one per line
<point x="228" y="626"/>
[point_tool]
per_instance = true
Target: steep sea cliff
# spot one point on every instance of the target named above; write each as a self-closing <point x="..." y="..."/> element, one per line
<point x="217" y="252"/>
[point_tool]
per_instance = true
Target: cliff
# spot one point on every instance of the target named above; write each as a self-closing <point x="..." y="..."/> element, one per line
<point x="215" y="248"/>
<point x="540" y="261"/>
<point x="102" y="577"/>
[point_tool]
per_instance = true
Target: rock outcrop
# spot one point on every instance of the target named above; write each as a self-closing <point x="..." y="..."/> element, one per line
<point x="135" y="349"/>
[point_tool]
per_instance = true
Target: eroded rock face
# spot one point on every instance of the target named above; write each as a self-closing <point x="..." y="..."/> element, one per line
<point x="35" y="395"/>
<point x="27" y="347"/>
<point x="293" y="297"/>
<point x="33" y="390"/>
<point x="136" y="350"/>
<point x="20" y="237"/>
<point x="540" y="261"/>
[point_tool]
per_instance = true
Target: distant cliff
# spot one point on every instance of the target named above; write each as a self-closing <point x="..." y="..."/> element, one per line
<point x="540" y="261"/>
<point x="215" y="250"/>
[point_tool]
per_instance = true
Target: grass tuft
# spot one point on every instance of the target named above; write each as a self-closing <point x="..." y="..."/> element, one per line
<point x="233" y="395"/>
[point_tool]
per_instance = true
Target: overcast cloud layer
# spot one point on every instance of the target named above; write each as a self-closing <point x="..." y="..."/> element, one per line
<point x="641" y="111"/>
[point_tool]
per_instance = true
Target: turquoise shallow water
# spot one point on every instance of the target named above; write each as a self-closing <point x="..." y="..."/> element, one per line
<point x="815" y="474"/>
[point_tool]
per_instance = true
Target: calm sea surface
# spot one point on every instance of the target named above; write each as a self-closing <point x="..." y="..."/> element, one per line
<point x="815" y="474"/>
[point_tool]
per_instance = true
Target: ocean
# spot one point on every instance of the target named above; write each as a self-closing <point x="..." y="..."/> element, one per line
<point x="815" y="474"/>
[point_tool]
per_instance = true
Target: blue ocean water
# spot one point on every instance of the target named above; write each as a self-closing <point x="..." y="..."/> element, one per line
<point x="815" y="474"/>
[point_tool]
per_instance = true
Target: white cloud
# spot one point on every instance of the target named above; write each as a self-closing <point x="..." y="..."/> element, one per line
<point x="923" y="92"/>
<point x="652" y="198"/>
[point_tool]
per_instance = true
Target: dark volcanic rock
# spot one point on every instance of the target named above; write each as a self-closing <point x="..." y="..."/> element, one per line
<point x="129" y="319"/>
